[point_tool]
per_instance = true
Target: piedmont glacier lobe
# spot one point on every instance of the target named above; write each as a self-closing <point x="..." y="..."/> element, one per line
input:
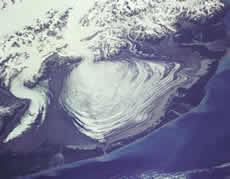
<point x="117" y="97"/>
<point x="39" y="101"/>
<point x="99" y="30"/>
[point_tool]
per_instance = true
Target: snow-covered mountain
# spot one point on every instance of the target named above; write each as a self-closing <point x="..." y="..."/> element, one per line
<point x="100" y="31"/>
<point x="98" y="28"/>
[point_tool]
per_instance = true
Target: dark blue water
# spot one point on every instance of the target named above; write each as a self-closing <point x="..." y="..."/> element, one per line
<point x="198" y="139"/>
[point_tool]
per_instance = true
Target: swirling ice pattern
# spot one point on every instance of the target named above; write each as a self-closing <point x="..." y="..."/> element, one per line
<point x="105" y="98"/>
<point x="113" y="95"/>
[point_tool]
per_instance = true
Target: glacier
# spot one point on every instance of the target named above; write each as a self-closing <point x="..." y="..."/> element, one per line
<point x="99" y="31"/>
<point x="122" y="59"/>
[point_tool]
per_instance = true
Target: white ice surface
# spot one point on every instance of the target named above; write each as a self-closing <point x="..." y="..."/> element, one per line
<point x="95" y="29"/>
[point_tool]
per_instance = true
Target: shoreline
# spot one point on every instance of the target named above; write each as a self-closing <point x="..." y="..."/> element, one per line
<point x="99" y="151"/>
